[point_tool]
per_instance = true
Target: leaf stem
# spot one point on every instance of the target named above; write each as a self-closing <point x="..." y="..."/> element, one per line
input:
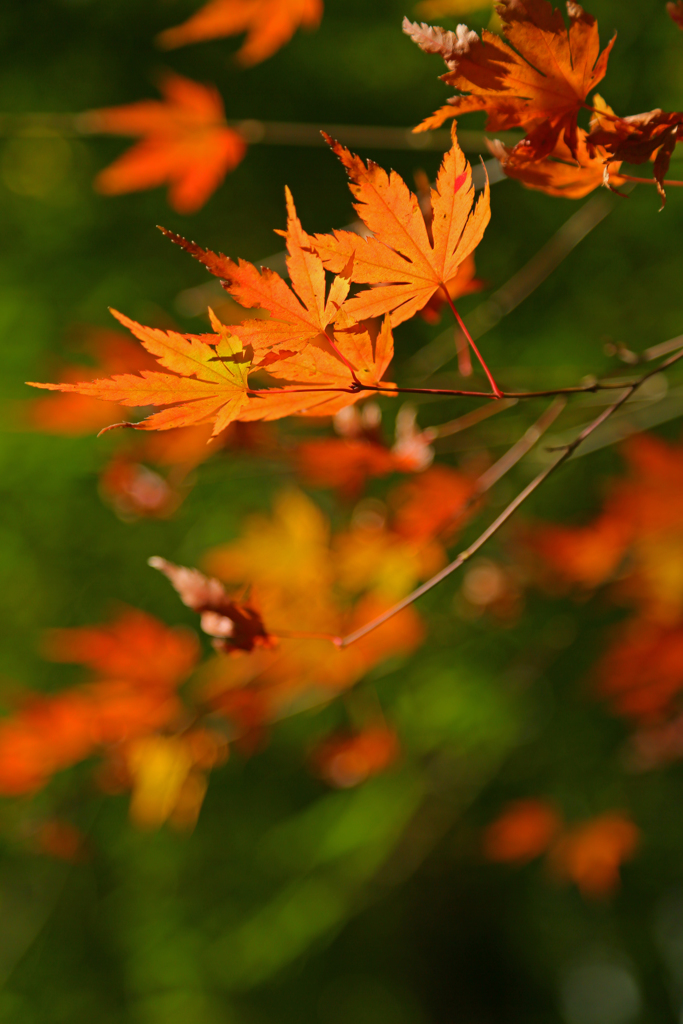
<point x="340" y="355"/>
<point x="462" y="346"/>
<point x="497" y="393"/>
<point x="566" y="452"/>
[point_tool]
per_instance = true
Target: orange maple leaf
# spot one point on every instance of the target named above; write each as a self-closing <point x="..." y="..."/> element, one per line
<point x="269" y="24"/>
<point x="540" y="85"/>
<point x="208" y="380"/>
<point x="72" y="414"/>
<point x="298" y="314"/>
<point x="211" y="380"/>
<point x="560" y="174"/>
<point x="186" y="143"/>
<point x="325" y="384"/>
<point x="406" y="262"/>
<point x="637" y="138"/>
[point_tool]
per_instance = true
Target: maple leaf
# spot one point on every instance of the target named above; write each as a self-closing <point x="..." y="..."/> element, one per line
<point x="234" y="625"/>
<point x="298" y="314"/>
<point x="134" y="647"/>
<point x="73" y="415"/>
<point x="186" y="143"/>
<point x="464" y="282"/>
<point x="343" y="463"/>
<point x="209" y="380"/>
<point x="438" y="501"/>
<point x="324" y="384"/>
<point x="591" y="853"/>
<point x="560" y="174"/>
<point x="640" y="671"/>
<point x="637" y="138"/>
<point x="540" y="85"/>
<point x="269" y="25"/>
<point x="407" y="263"/>
<point x="642" y="519"/>
<point x="523" y="832"/>
<point x="675" y="12"/>
<point x="345" y="760"/>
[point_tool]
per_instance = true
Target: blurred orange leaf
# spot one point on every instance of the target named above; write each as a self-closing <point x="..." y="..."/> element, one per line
<point x="438" y="501"/>
<point x="135" y="647"/>
<point x="185" y="143"/>
<point x="345" y="760"/>
<point x="269" y="24"/>
<point x="591" y="853"/>
<point x="641" y="671"/>
<point x="524" y="831"/>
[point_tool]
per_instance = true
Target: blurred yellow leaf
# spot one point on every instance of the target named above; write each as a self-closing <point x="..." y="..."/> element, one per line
<point x="159" y="766"/>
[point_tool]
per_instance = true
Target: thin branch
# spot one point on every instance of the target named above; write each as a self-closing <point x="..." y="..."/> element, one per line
<point x="461" y="324"/>
<point x="565" y="454"/>
<point x="521" y="447"/>
<point x="273" y="133"/>
<point x="470" y="419"/>
<point x="498" y="470"/>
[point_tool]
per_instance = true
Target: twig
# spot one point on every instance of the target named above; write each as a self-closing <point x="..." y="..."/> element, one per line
<point x="566" y="453"/>
<point x="461" y="324"/>
<point x="521" y="447"/>
<point x="273" y="133"/>
<point x="470" y="419"/>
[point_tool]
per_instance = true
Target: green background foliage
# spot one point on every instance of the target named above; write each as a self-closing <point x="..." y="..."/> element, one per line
<point x="291" y="902"/>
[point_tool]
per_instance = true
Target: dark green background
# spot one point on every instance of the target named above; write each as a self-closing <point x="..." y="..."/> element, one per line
<point x="290" y="903"/>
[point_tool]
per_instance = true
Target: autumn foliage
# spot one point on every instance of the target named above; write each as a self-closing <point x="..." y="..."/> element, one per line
<point x="303" y="607"/>
<point x="185" y="143"/>
<point x="538" y="78"/>
<point x="269" y="24"/>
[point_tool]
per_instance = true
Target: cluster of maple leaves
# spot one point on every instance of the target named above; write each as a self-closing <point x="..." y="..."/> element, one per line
<point x="274" y="601"/>
<point x="158" y="718"/>
<point x="588" y="853"/>
<point x="539" y="78"/>
<point x="633" y="554"/>
<point x="330" y="346"/>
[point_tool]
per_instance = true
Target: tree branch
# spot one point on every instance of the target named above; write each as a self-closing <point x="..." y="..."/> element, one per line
<point x="566" y="452"/>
